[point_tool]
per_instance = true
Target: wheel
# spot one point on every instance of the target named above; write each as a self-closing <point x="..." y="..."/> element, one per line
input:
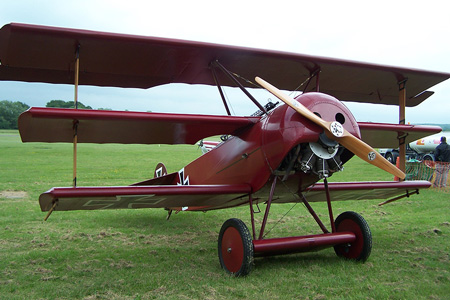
<point x="358" y="250"/>
<point x="428" y="157"/>
<point x="235" y="248"/>
<point x="391" y="157"/>
<point x="428" y="160"/>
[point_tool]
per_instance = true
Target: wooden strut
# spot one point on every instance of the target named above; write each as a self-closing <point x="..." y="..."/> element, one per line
<point x="51" y="210"/>
<point x="75" y="130"/>
<point x="402" y="120"/>
<point x="75" y="122"/>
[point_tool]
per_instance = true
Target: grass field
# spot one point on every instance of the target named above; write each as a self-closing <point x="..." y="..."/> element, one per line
<point x="137" y="254"/>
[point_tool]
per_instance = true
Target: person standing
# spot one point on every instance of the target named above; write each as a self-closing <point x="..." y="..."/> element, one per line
<point x="442" y="155"/>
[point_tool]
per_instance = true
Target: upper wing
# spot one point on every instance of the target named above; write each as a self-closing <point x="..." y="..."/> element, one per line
<point x="47" y="54"/>
<point x="125" y="127"/>
<point x="382" y="135"/>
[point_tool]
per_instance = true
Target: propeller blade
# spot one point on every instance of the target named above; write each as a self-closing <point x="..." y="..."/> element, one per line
<point x="300" y="108"/>
<point x="334" y="130"/>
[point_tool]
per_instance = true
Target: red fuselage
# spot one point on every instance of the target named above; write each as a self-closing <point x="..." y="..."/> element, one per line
<point x="254" y="155"/>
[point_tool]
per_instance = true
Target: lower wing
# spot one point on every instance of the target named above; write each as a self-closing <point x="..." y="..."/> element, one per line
<point x="144" y="196"/>
<point x="365" y="190"/>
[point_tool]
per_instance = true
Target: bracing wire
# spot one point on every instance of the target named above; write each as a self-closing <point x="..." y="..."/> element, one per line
<point x="288" y="211"/>
<point x="228" y="101"/>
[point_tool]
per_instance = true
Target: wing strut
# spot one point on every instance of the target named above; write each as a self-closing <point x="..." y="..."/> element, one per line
<point x="313" y="74"/>
<point x="407" y="194"/>
<point x="243" y="89"/>
<point x="216" y="80"/>
<point x="55" y="203"/>
<point x="402" y="121"/>
<point x="75" y="129"/>
<point x="75" y="122"/>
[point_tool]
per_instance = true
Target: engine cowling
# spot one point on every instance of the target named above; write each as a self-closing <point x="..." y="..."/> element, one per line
<point x="294" y="144"/>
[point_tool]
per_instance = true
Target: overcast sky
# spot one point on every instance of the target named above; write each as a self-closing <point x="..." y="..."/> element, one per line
<point x="412" y="34"/>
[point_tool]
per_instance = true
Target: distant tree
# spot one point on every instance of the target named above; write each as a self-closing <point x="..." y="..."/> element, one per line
<point x="9" y="113"/>
<point x="65" y="104"/>
<point x="445" y="127"/>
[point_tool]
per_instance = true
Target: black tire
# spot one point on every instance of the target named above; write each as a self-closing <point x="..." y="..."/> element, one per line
<point x="235" y="247"/>
<point x="391" y="157"/>
<point x="360" y="249"/>
<point x="428" y="160"/>
<point x="428" y="157"/>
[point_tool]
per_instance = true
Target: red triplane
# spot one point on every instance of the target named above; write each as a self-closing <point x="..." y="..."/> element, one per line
<point x="277" y="155"/>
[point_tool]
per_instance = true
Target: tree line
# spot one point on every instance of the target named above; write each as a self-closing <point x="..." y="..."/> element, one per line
<point x="10" y="110"/>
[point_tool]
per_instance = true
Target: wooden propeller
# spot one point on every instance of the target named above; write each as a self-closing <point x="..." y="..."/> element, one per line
<point x="335" y="131"/>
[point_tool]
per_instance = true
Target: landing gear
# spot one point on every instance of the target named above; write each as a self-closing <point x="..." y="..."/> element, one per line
<point x="359" y="249"/>
<point x="235" y="248"/>
<point x="350" y="236"/>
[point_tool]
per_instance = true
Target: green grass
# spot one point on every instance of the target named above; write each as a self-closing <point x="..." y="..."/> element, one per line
<point x="137" y="254"/>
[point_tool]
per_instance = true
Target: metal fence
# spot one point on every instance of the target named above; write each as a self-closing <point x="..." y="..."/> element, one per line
<point x="435" y="172"/>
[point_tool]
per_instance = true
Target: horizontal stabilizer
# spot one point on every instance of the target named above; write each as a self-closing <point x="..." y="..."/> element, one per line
<point x="124" y="127"/>
<point x="153" y="196"/>
<point x="383" y="135"/>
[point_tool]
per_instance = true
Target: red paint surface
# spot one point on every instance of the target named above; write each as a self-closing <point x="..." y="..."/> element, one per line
<point x="301" y="243"/>
<point x="46" y="54"/>
<point x="232" y="249"/>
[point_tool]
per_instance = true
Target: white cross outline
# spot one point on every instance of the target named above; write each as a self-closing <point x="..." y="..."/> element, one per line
<point x="159" y="172"/>
<point x="182" y="179"/>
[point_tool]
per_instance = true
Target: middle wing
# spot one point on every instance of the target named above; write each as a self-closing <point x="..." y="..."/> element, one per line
<point x="383" y="135"/>
<point x="124" y="127"/>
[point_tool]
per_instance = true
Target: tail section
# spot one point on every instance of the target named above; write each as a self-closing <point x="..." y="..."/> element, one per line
<point x="207" y="146"/>
<point x="160" y="170"/>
